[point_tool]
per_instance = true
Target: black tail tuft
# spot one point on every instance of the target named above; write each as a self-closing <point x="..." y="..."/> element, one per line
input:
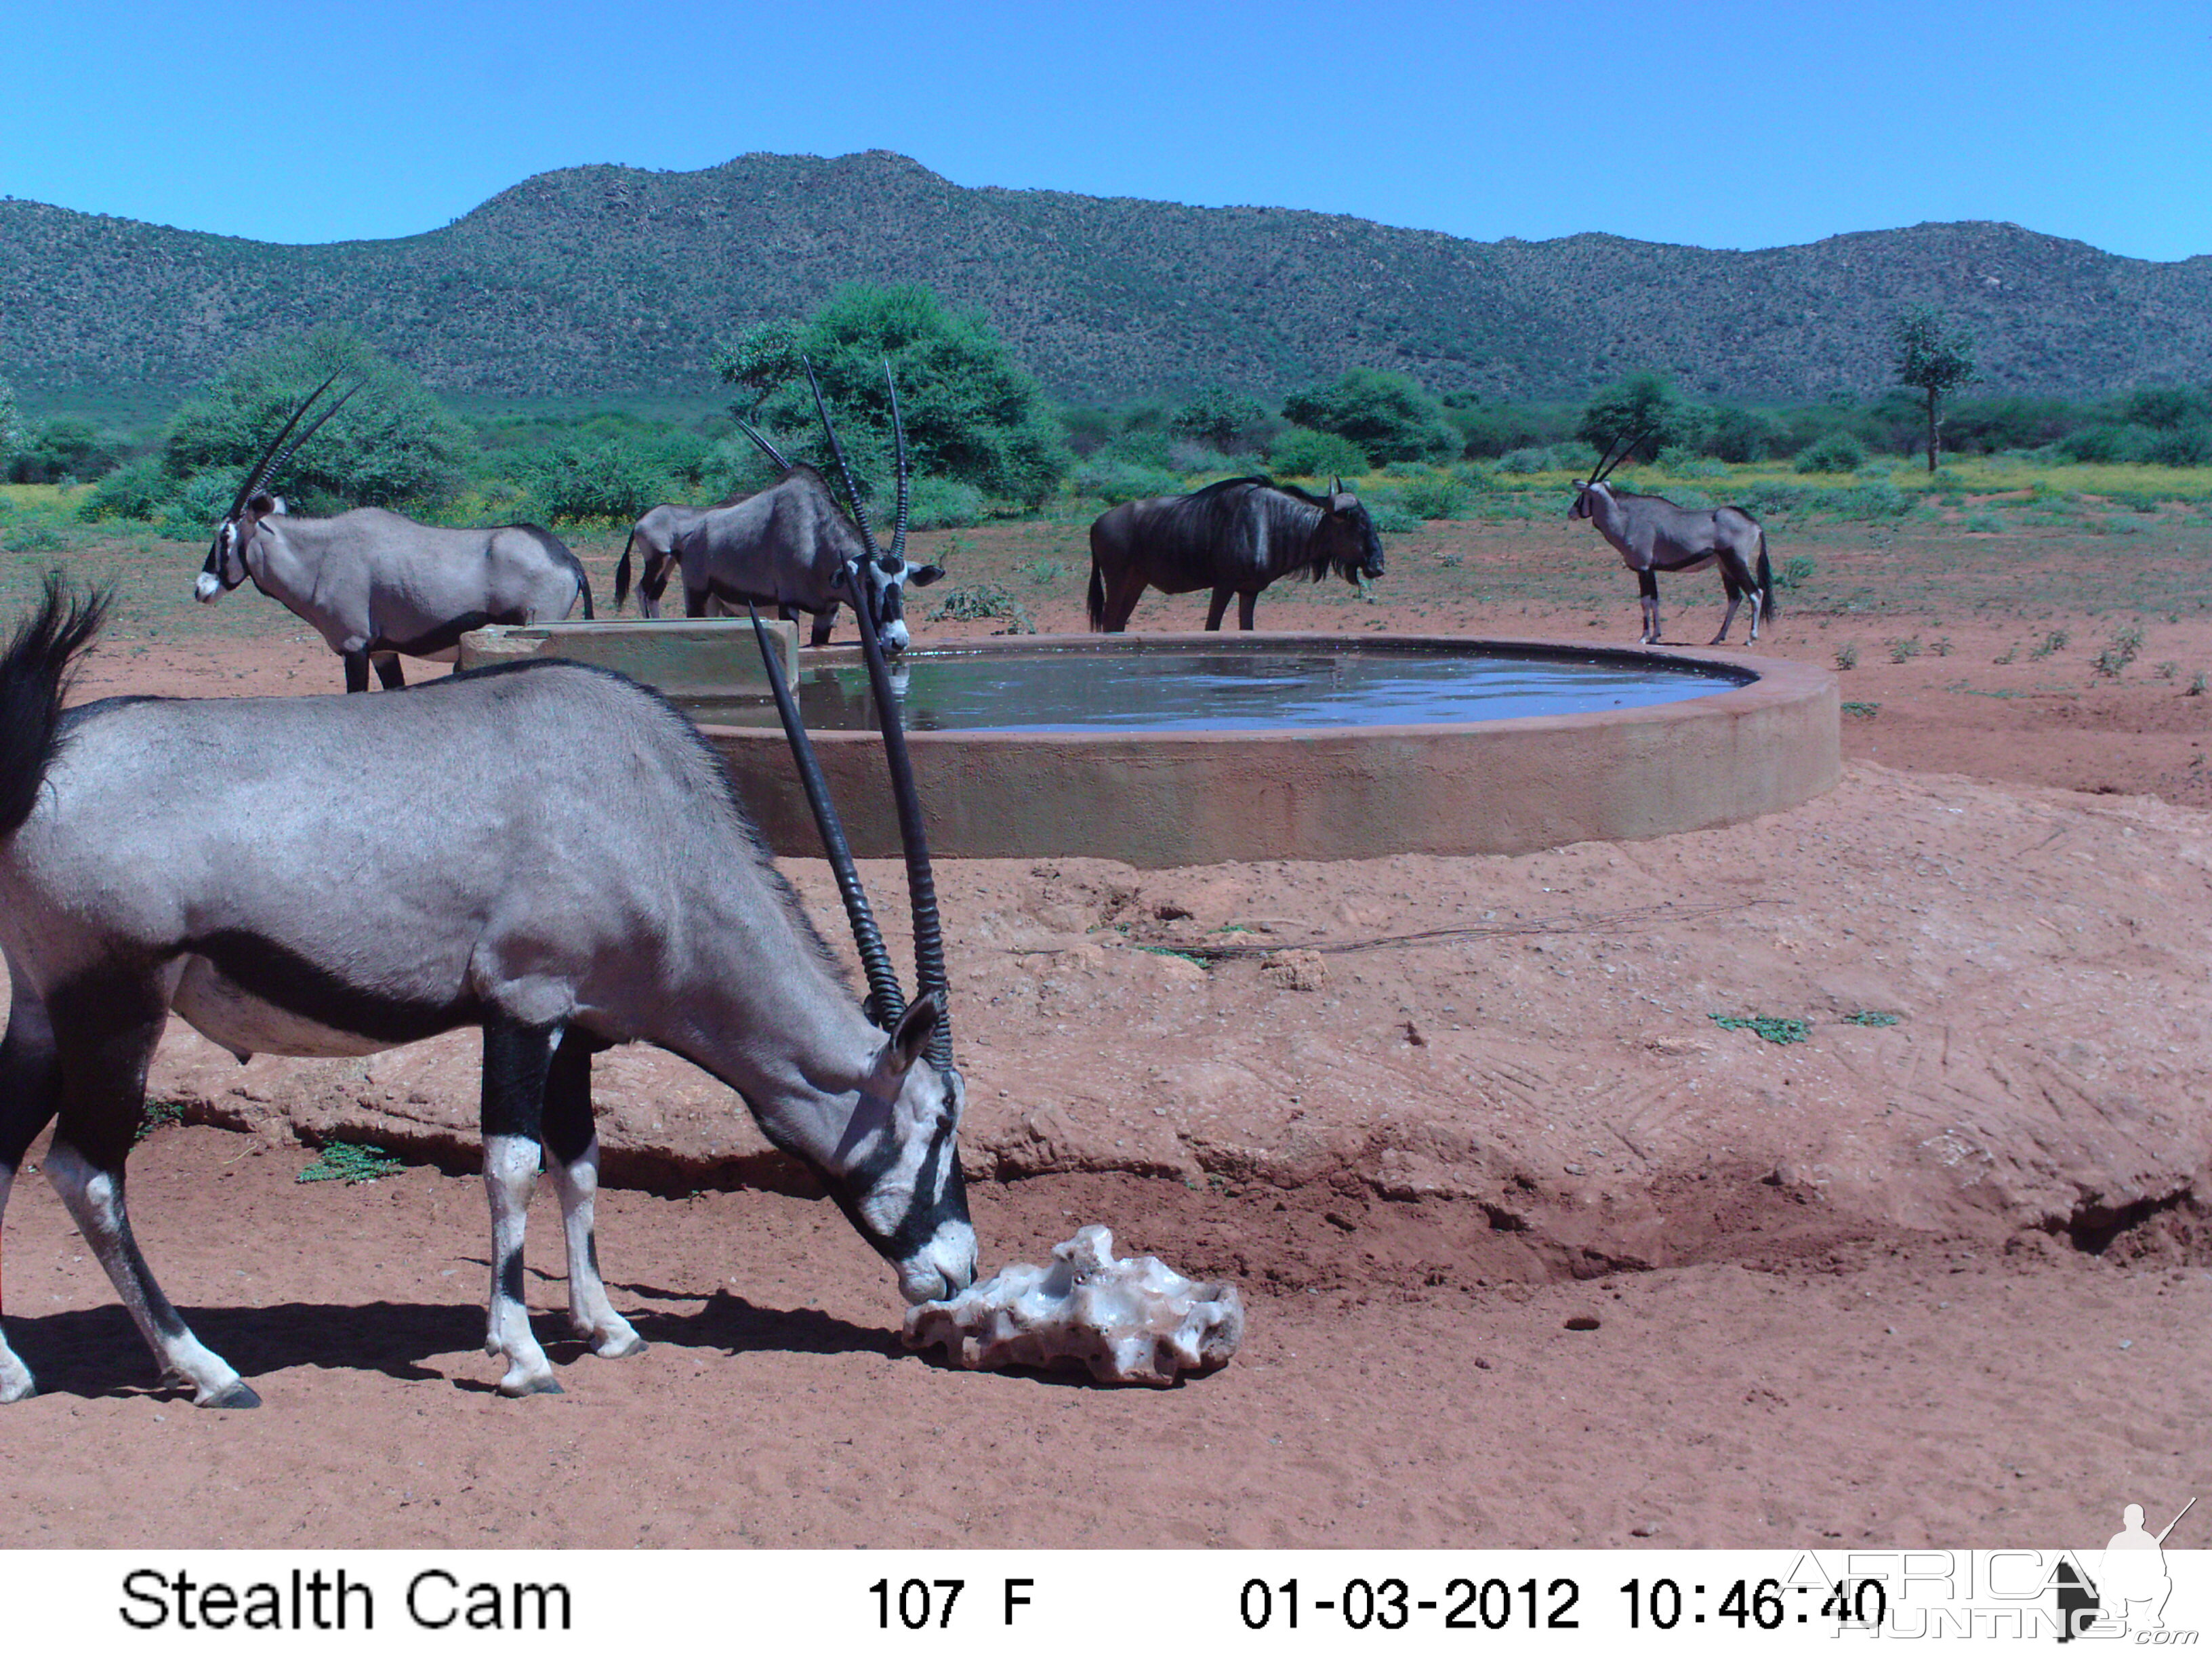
<point x="1095" y="599"/>
<point x="35" y="675"/>
<point x="621" y="573"/>
<point x="1767" y="611"/>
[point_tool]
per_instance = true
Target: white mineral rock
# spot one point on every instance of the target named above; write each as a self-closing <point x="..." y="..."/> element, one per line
<point x="1132" y="1320"/>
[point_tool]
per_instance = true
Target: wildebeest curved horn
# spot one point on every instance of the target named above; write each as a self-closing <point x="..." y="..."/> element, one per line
<point x="905" y="478"/>
<point x="257" y="472"/>
<point x="277" y="467"/>
<point x="845" y="467"/>
<point x="921" y="883"/>
<point x="767" y="448"/>
<point x="886" y="1001"/>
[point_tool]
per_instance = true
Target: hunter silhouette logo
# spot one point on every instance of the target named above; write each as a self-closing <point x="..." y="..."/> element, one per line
<point x="2130" y="1589"/>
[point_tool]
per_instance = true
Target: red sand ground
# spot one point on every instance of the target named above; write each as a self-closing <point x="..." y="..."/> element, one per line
<point x="1946" y="1282"/>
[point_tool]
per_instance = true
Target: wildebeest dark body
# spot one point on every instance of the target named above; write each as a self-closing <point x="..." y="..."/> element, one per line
<point x="1235" y="537"/>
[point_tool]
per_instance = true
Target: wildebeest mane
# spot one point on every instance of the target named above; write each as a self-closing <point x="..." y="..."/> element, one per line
<point x="1292" y="515"/>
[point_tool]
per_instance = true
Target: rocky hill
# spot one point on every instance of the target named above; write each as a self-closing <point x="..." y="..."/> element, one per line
<point x="610" y="281"/>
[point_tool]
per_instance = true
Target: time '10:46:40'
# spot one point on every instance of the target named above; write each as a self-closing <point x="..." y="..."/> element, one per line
<point x="1769" y="1604"/>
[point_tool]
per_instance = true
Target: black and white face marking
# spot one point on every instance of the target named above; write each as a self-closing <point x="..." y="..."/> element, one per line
<point x="887" y="579"/>
<point x="895" y="1170"/>
<point x="226" y="563"/>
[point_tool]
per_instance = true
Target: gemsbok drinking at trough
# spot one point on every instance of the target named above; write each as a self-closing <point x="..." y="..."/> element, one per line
<point x="377" y="585"/>
<point x="1652" y="534"/>
<point x="1235" y="537"/>
<point x="789" y="545"/>
<point x="340" y="875"/>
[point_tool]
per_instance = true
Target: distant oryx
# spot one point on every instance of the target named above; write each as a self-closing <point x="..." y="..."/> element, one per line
<point x="789" y="545"/>
<point x="302" y="876"/>
<point x="1652" y="534"/>
<point x="377" y="586"/>
<point x="1235" y="537"/>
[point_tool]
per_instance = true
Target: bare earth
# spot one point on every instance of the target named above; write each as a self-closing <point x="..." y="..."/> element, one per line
<point x="1941" y="1280"/>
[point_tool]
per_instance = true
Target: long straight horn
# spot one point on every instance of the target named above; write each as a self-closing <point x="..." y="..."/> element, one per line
<point x="921" y="883"/>
<point x="1630" y="449"/>
<point x="767" y="448"/>
<point x="886" y="1001"/>
<point x="277" y="467"/>
<point x="837" y="449"/>
<point x="258" y="471"/>
<point x="1604" y="462"/>
<point x="905" y="478"/>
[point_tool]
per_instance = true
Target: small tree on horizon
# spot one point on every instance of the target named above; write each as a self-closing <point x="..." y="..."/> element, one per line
<point x="1644" y="402"/>
<point x="972" y="414"/>
<point x="11" y="421"/>
<point x="1931" y="359"/>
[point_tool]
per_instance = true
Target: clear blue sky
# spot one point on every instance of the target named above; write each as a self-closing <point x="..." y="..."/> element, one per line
<point x="1726" y="125"/>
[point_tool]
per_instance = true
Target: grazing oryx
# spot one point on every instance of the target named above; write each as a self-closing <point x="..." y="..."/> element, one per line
<point x="306" y="875"/>
<point x="1652" y="534"/>
<point x="788" y="544"/>
<point x="377" y="586"/>
<point x="1234" y="536"/>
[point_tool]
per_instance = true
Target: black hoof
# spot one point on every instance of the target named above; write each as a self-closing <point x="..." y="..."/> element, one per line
<point x="235" y="1398"/>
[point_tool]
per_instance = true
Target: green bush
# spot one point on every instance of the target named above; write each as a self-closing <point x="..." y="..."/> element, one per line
<point x="607" y="483"/>
<point x="140" y="490"/>
<point x="972" y="414"/>
<point x="2180" y="446"/>
<point x="1304" y="452"/>
<point x="1219" y="418"/>
<point x="1839" y="452"/>
<point x="1434" y="497"/>
<point x="1743" y="435"/>
<point x="64" y="450"/>
<point x="1118" y="480"/>
<point x="1643" y="404"/>
<point x="1525" y="461"/>
<point x="392" y="445"/>
<point x="1388" y="416"/>
<point x="2105" y="443"/>
<point x="945" y="504"/>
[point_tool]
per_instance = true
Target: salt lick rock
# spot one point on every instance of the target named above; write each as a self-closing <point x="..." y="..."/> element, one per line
<point x="1134" y="1320"/>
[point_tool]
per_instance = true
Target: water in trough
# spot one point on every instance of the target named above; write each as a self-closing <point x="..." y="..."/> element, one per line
<point x="1208" y="688"/>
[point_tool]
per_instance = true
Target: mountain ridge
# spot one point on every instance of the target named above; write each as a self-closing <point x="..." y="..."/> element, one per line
<point x="604" y="280"/>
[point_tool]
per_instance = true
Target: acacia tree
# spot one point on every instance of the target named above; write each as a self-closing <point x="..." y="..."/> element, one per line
<point x="1646" y="403"/>
<point x="1931" y="359"/>
<point x="972" y="414"/>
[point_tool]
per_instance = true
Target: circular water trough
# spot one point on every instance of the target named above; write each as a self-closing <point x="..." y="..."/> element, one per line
<point x="1746" y="736"/>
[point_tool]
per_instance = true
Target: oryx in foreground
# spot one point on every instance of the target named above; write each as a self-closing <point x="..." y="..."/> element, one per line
<point x="789" y="545"/>
<point x="1234" y="536"/>
<point x="377" y="586"/>
<point x="1652" y="534"/>
<point x="338" y="876"/>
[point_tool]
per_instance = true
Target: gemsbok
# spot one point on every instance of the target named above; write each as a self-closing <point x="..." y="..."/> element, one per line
<point x="790" y="545"/>
<point x="376" y="585"/>
<point x="340" y="875"/>
<point x="1652" y="534"/>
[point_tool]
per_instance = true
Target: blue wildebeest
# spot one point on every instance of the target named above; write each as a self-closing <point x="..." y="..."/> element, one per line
<point x="1652" y="534"/>
<point x="377" y="586"/>
<point x="1234" y="536"/>
<point x="340" y="875"/>
<point x="790" y="545"/>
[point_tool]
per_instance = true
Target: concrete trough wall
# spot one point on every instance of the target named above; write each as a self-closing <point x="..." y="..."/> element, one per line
<point x="1157" y="800"/>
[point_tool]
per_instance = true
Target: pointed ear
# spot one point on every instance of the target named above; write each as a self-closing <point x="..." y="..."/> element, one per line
<point x="910" y="1036"/>
<point x="920" y="575"/>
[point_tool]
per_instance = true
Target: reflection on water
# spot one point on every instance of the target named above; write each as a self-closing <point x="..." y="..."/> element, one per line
<point x="1197" y="689"/>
